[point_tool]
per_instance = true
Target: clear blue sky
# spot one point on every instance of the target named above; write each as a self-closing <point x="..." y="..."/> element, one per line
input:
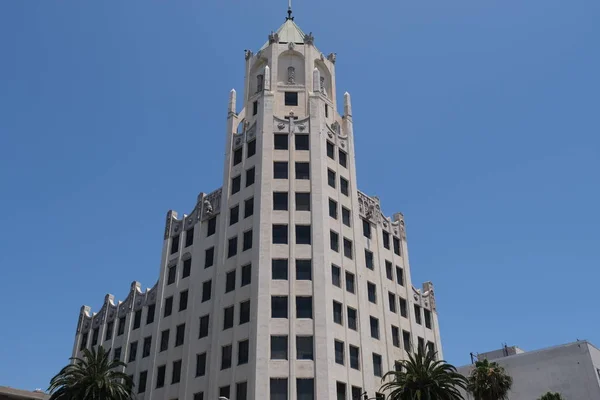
<point x="480" y="120"/>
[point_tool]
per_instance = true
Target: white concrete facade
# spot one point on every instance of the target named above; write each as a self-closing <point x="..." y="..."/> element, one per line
<point x="324" y="324"/>
<point x="572" y="370"/>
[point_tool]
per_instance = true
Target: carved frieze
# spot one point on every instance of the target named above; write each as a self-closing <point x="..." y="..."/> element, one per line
<point x="238" y="140"/>
<point x="369" y="207"/>
<point x="281" y="125"/>
<point x="251" y="133"/>
<point x="211" y="204"/>
<point x="309" y="39"/>
<point x="168" y="223"/>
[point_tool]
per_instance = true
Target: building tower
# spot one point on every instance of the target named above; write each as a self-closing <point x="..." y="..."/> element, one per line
<point x="287" y="282"/>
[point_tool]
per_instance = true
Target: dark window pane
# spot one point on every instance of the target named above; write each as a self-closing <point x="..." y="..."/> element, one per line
<point x="304" y="307"/>
<point x="187" y="268"/>
<point x="230" y="281"/>
<point x="330" y="150"/>
<point x="150" y="314"/>
<point x="279" y="307"/>
<point x="179" y="335"/>
<point x="304" y="270"/>
<point x="278" y="389"/>
<point x="389" y="271"/>
<point x="366" y="228"/>
<point x="417" y="314"/>
<point x="281" y="141"/>
<point x="395" y="336"/>
<point x="350" y="282"/>
<point x="334" y="241"/>
<point x="206" y="290"/>
<point x="175" y="244"/>
<point x="346" y="216"/>
<point x="372" y="292"/>
<point x="331" y="178"/>
<point x="339" y="352"/>
<point x="301" y="142"/>
<point x="198" y="396"/>
<point x="279" y="347"/>
<point x="110" y="327"/>
<point x="291" y="98"/>
<point x="251" y="146"/>
<point x="228" y="318"/>
<point x="280" y="201"/>
<point x="250" y="173"/>
<point x="343" y="159"/>
<point x="302" y="201"/>
<point x="142" y="381"/>
<point x="232" y="247"/>
<point x="204" y="321"/>
<point x="377" y="370"/>
<point x="189" y="237"/>
<point x="164" y="340"/>
<point x="243" y="349"/>
<point x="305" y="389"/>
<point x="234" y="215"/>
<point x="303" y="235"/>
<point x="211" y="226"/>
<point x="356" y="392"/>
<point x="336" y="278"/>
<point x="352" y="321"/>
<point x="237" y="156"/>
<point x="201" y="364"/>
<point x="427" y="318"/>
<point x="386" y="240"/>
<point x="344" y="186"/>
<point x="369" y="259"/>
<point x="132" y="351"/>
<point x="304" y="347"/>
<point x="279" y="269"/>
<point x="348" y="248"/>
<point x="224" y="391"/>
<point x="337" y="313"/>
<point x="160" y="376"/>
<point x="400" y="276"/>
<point x="374" y="327"/>
<point x="302" y="170"/>
<point x="171" y="274"/>
<point x="209" y="257"/>
<point x="183" y="300"/>
<point x="255" y="108"/>
<point x="246" y="275"/>
<point x="406" y="341"/>
<point x="333" y="209"/>
<point x="280" y="234"/>
<point x="244" y="312"/>
<point x="248" y="207"/>
<point x="247" y="243"/>
<point x="403" y="308"/>
<point x="397" y="246"/>
<point x="226" y="357"/>
<point x="340" y="389"/>
<point x="392" y="301"/>
<point x="280" y="170"/>
<point x="236" y="184"/>
<point x="137" y="321"/>
<point x="354" y="357"/>
<point x="168" y="306"/>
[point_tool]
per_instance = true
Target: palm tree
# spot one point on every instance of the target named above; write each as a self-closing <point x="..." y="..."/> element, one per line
<point x="552" y="396"/>
<point x="93" y="377"/>
<point x="422" y="377"/>
<point x="489" y="381"/>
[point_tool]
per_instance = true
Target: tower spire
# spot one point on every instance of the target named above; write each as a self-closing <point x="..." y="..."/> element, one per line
<point x="289" y="11"/>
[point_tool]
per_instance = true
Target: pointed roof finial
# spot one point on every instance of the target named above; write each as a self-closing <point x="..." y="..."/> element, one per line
<point x="289" y="12"/>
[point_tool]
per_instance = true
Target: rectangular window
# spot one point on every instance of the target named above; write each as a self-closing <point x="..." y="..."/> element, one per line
<point x="280" y="234"/>
<point x="280" y="201"/>
<point x="279" y="269"/>
<point x="366" y="229"/>
<point x="400" y="276"/>
<point x="336" y="276"/>
<point x="224" y="391"/>
<point x="280" y="170"/>
<point x="228" y="318"/>
<point x="331" y="178"/>
<point x="326" y="111"/>
<point x="372" y="292"/>
<point x="340" y="390"/>
<point x="302" y="170"/>
<point x="232" y="247"/>
<point x="377" y="370"/>
<point x="386" y="240"/>
<point x="427" y="318"/>
<point x="142" y="381"/>
<point x="160" y="376"/>
<point x="330" y="150"/>
<point x="236" y="184"/>
<point x="406" y="341"/>
<point x="237" y="156"/>
<point x="339" y="352"/>
<point x="281" y="141"/>
<point x="356" y="392"/>
<point x="255" y="108"/>
<point x="279" y="347"/>
<point x="301" y="142"/>
<point x="110" y="327"/>
<point x="350" y="282"/>
<point x="251" y="149"/>
<point x="348" y="248"/>
<point x="117" y="354"/>
<point x="354" y="357"/>
<point x="304" y="307"/>
<point x="369" y="259"/>
<point x="241" y="389"/>
<point x="243" y="350"/>
<point x="247" y="241"/>
<point x="304" y="270"/>
<point x="337" y="312"/>
<point x="398" y="366"/>
<point x="211" y="226"/>
<point x="189" y="237"/>
<point x="303" y="235"/>
<point x="187" y="268"/>
<point x="121" y="326"/>
<point x="183" y="300"/>
<point x="395" y="336"/>
<point x="304" y="347"/>
<point x="179" y="335"/>
<point x="403" y="308"/>
<point x="250" y="173"/>
<point x="150" y="314"/>
<point x="352" y="319"/>
<point x="175" y="244"/>
<point x="164" y="340"/>
<point x="343" y="159"/>
<point x="84" y="340"/>
<point x="374" y="322"/>
<point x="204" y="322"/>
<point x="302" y="201"/>
<point x="132" y="351"/>
<point x="198" y="396"/>
<point x="176" y="375"/>
<point x="305" y="389"/>
<point x="430" y="347"/>
<point x="278" y="389"/>
<point x="417" y="314"/>
<point x="146" y="346"/>
<point x="246" y="275"/>
<point x="421" y="344"/>
<point x="234" y="215"/>
<point x="168" y="306"/>
<point x="346" y="216"/>
<point x="344" y="186"/>
<point x="334" y="241"/>
<point x="95" y="334"/>
<point x="206" y="290"/>
<point x="171" y="274"/>
<point x="392" y="301"/>
<point x="397" y="246"/>
<point x="248" y="207"/>
<point x="244" y="312"/>
<point x="201" y="364"/>
<point x="279" y="307"/>
<point x="291" y="98"/>
<point x="209" y="257"/>
<point x="333" y="209"/>
<point x="226" y="357"/>
<point x="389" y="272"/>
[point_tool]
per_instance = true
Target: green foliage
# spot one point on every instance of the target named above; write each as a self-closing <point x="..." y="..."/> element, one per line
<point x="489" y="381"/>
<point x="422" y="377"/>
<point x="552" y="396"/>
<point x="93" y="377"/>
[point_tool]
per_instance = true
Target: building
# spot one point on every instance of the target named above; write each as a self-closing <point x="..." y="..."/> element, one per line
<point x="572" y="370"/>
<point x="8" y="393"/>
<point x="287" y="282"/>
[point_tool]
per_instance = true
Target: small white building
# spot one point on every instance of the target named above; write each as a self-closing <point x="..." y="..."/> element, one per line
<point x="287" y="282"/>
<point x="572" y="370"/>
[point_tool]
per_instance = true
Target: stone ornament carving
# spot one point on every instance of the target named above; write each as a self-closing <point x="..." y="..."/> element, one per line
<point x="83" y="324"/>
<point x="112" y="313"/>
<point x="301" y="125"/>
<point x="238" y="141"/>
<point x="291" y="45"/>
<point x="322" y="85"/>
<point x="212" y="204"/>
<point x="331" y="57"/>
<point x="251" y="133"/>
<point x="428" y="292"/>
<point x="291" y="80"/>
<point x="168" y="224"/>
<point x="282" y="125"/>
<point x="247" y="54"/>
<point x="273" y="37"/>
<point x="309" y="39"/>
<point x="369" y="207"/>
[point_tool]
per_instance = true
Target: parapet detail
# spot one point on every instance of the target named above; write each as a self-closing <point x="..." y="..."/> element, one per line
<point x="425" y="297"/>
<point x="370" y="209"/>
<point x="135" y="300"/>
<point x="207" y="206"/>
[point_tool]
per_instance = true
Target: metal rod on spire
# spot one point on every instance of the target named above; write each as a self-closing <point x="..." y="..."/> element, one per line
<point x="289" y="11"/>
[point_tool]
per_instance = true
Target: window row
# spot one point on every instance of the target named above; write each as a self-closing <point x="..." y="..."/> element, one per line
<point x="281" y="141"/>
<point x="185" y="271"/>
<point x="304" y="347"/>
<point x="279" y="269"/>
<point x="367" y="232"/>
<point x="234" y="212"/>
<point x="305" y="389"/>
<point x="301" y="170"/>
<point x="189" y="240"/>
<point x="232" y="244"/>
<point x="281" y="201"/>
<point x="344" y="184"/>
<point x="236" y="181"/>
<point x="280" y="234"/>
<point x="333" y="212"/>
<point x="334" y="244"/>
<point x="238" y="153"/>
<point x="279" y="307"/>
<point x="336" y="279"/>
<point x="342" y="156"/>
